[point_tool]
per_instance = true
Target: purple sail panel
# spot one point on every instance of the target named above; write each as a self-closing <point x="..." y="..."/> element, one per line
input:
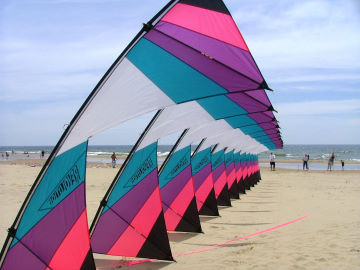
<point x="218" y="171"/>
<point x="232" y="56"/>
<point x="260" y="95"/>
<point x="200" y="177"/>
<point x="266" y="126"/>
<point x="52" y="230"/>
<point x="270" y="114"/>
<point x="172" y="189"/>
<point x="274" y="136"/>
<point x="19" y="257"/>
<point x="260" y="117"/>
<point x="247" y="103"/>
<point x="114" y="221"/>
<point x="227" y="78"/>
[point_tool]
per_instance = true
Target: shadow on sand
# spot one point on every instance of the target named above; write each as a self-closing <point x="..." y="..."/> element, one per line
<point x="207" y="218"/>
<point x="112" y="264"/>
<point x="180" y="236"/>
<point x="253" y="211"/>
<point x="239" y="224"/>
<point x="227" y="245"/>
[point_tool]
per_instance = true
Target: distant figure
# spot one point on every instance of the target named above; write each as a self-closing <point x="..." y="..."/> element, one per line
<point x="42" y="154"/>
<point x="6" y="155"/>
<point x="2" y="155"/>
<point x="272" y="161"/>
<point x="305" y="162"/>
<point x="113" y="159"/>
<point x="331" y="161"/>
<point x="342" y="164"/>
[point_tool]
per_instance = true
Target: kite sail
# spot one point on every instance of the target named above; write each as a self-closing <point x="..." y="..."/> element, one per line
<point x="167" y="53"/>
<point x="238" y="172"/>
<point x="220" y="178"/>
<point x="43" y="238"/>
<point x="182" y="54"/>
<point x="231" y="177"/>
<point x="132" y="220"/>
<point x="177" y="192"/>
<point x="203" y="183"/>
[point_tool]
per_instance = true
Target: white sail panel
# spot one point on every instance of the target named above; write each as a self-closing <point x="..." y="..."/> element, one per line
<point x="204" y="131"/>
<point x="177" y="118"/>
<point x="127" y="93"/>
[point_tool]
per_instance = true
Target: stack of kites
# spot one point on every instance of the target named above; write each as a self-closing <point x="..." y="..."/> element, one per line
<point x="190" y="66"/>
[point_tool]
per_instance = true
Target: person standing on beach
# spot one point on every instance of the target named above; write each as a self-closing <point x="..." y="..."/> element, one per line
<point x="342" y="164"/>
<point x="331" y="161"/>
<point x="305" y="162"/>
<point x="42" y="154"/>
<point x="113" y="159"/>
<point x="272" y="161"/>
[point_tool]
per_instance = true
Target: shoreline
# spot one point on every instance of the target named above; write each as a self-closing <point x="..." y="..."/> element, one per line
<point x="105" y="161"/>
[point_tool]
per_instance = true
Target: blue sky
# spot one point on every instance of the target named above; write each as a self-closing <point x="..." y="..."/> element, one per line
<point x="53" y="52"/>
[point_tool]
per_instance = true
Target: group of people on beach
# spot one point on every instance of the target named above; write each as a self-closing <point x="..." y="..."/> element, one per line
<point x="305" y="160"/>
<point x="6" y="155"/>
<point x="331" y="162"/>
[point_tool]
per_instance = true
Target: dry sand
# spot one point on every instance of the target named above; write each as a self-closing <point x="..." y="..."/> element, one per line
<point x="327" y="239"/>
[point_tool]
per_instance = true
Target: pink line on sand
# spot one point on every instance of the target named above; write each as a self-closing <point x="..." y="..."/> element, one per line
<point x="224" y="243"/>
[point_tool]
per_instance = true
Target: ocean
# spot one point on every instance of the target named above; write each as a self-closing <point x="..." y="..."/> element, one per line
<point x="289" y="152"/>
<point x="345" y="152"/>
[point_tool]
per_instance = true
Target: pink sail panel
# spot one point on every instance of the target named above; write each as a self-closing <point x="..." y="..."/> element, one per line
<point x="221" y="189"/>
<point x="207" y="22"/>
<point x="203" y="192"/>
<point x="178" y="194"/>
<point x="231" y="181"/>
<point x="132" y="222"/>
<point x="203" y="183"/>
<point x="176" y="210"/>
<point x="75" y="246"/>
<point x="131" y="241"/>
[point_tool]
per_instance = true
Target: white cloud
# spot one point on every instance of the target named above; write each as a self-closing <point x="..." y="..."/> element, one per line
<point x="307" y="33"/>
<point x="321" y="107"/>
<point x="319" y="129"/>
<point x="315" y="77"/>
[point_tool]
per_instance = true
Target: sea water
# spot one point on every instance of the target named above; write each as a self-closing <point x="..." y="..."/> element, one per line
<point x="102" y="153"/>
<point x="316" y="153"/>
<point x="345" y="152"/>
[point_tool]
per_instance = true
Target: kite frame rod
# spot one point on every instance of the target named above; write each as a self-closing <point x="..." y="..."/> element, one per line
<point x="214" y="148"/>
<point x="172" y="150"/>
<point x="122" y="168"/>
<point x="198" y="147"/>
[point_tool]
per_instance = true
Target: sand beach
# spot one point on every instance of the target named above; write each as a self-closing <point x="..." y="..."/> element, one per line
<point x="290" y="220"/>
